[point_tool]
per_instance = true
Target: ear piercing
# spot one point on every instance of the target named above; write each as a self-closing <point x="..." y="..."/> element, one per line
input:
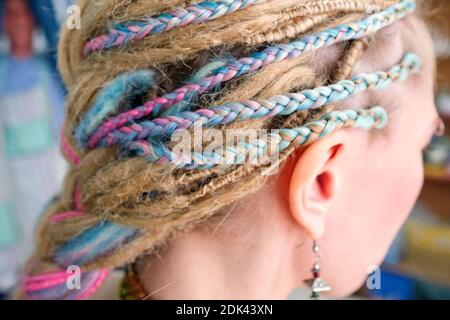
<point x="317" y="284"/>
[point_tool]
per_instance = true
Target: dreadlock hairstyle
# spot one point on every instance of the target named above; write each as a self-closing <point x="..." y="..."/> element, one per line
<point x="138" y="71"/>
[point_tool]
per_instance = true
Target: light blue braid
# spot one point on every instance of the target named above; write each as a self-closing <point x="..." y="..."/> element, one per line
<point x="95" y="242"/>
<point x="113" y="96"/>
<point x="282" y="139"/>
<point x="286" y="104"/>
<point x="121" y="34"/>
<point x="254" y="62"/>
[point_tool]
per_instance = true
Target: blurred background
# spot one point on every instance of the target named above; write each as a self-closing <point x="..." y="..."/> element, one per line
<point x="31" y="170"/>
<point x="418" y="264"/>
<point x="31" y="114"/>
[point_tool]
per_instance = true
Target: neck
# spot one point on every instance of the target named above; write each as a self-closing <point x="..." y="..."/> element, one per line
<point x="248" y="262"/>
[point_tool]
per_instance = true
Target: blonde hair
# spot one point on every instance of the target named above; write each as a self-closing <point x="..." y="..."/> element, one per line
<point x="160" y="200"/>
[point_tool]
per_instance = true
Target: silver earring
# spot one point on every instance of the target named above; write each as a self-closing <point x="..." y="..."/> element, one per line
<point x="317" y="284"/>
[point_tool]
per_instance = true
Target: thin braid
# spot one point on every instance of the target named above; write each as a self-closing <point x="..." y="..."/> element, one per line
<point x="111" y="98"/>
<point x="366" y="119"/>
<point x="348" y="62"/>
<point x="305" y="16"/>
<point x="186" y="44"/>
<point x="252" y="109"/>
<point x="53" y="285"/>
<point x="298" y="26"/>
<point x="338" y="6"/>
<point x="122" y="34"/>
<point x="344" y="70"/>
<point x="256" y="61"/>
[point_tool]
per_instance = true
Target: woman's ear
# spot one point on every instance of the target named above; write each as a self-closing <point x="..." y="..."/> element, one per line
<point x="314" y="182"/>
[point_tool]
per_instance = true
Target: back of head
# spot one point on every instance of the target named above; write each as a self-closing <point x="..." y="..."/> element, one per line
<point x="139" y="70"/>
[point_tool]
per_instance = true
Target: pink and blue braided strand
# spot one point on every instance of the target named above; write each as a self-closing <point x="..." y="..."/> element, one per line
<point x="254" y="62"/>
<point x="53" y="286"/>
<point x="157" y="152"/>
<point x="95" y="242"/>
<point x="287" y="104"/>
<point x="121" y="34"/>
<point x="99" y="240"/>
<point x="111" y="99"/>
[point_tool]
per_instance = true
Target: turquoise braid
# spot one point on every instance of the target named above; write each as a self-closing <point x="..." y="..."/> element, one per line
<point x="113" y="96"/>
<point x="121" y="34"/>
<point x="254" y="62"/>
<point x="157" y="152"/>
<point x="250" y="109"/>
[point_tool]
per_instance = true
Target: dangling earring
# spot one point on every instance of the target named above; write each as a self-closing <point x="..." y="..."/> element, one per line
<point x="317" y="284"/>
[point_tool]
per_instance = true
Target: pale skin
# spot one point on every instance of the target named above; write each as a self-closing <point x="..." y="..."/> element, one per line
<point x="352" y="191"/>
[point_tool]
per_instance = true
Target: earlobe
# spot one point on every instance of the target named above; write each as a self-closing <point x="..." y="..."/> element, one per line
<point x="314" y="183"/>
